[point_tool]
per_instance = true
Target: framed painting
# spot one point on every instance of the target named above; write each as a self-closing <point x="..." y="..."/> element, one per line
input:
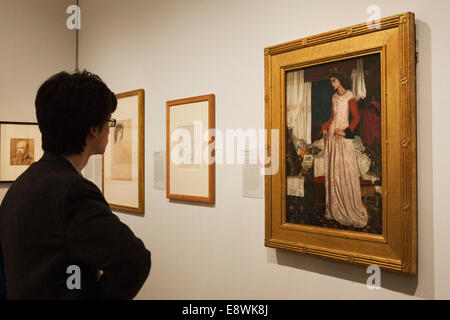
<point x="123" y="181"/>
<point x="190" y="171"/>
<point x="20" y="146"/>
<point x="343" y="103"/>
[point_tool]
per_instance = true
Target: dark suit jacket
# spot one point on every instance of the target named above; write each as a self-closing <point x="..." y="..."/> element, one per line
<point x="52" y="218"/>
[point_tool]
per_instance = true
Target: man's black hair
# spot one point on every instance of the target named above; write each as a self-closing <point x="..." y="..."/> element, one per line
<point x="67" y="106"/>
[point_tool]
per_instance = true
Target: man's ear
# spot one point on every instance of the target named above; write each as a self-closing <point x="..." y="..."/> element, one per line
<point x="93" y="132"/>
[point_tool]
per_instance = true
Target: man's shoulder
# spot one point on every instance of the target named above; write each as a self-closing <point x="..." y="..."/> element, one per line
<point x="80" y="184"/>
<point x="49" y="172"/>
<point x="51" y="179"/>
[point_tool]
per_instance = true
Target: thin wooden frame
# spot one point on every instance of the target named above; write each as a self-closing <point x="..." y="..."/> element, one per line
<point x="396" y="248"/>
<point x="210" y="199"/>
<point x="140" y="209"/>
<point x="18" y="123"/>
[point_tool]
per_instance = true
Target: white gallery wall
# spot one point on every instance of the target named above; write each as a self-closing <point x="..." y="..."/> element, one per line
<point x="35" y="44"/>
<point x="178" y="48"/>
<point x="182" y="48"/>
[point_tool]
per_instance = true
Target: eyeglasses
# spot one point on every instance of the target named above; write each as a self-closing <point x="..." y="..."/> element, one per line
<point x="112" y="122"/>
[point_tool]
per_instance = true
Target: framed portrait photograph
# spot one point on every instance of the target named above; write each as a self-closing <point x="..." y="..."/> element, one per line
<point x="190" y="169"/>
<point x="20" y="146"/>
<point x="123" y="161"/>
<point x="344" y="105"/>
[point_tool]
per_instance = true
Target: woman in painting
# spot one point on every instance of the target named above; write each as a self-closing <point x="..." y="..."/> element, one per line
<point x="342" y="184"/>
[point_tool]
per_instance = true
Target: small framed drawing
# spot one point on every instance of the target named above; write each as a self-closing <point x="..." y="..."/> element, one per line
<point x="343" y="103"/>
<point x="20" y="146"/>
<point x="190" y="149"/>
<point x="123" y="161"/>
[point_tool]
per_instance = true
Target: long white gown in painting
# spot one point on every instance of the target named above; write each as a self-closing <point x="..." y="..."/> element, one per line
<point x="342" y="184"/>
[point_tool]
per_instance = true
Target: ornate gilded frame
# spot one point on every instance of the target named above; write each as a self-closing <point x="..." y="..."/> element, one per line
<point x="396" y="248"/>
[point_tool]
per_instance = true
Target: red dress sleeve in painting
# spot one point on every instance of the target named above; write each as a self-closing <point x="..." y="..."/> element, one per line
<point x="355" y="114"/>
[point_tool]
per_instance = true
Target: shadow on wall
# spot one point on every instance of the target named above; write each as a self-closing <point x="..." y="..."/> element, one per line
<point x="401" y="283"/>
<point x="191" y="203"/>
<point x="425" y="183"/>
<point x="406" y="284"/>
